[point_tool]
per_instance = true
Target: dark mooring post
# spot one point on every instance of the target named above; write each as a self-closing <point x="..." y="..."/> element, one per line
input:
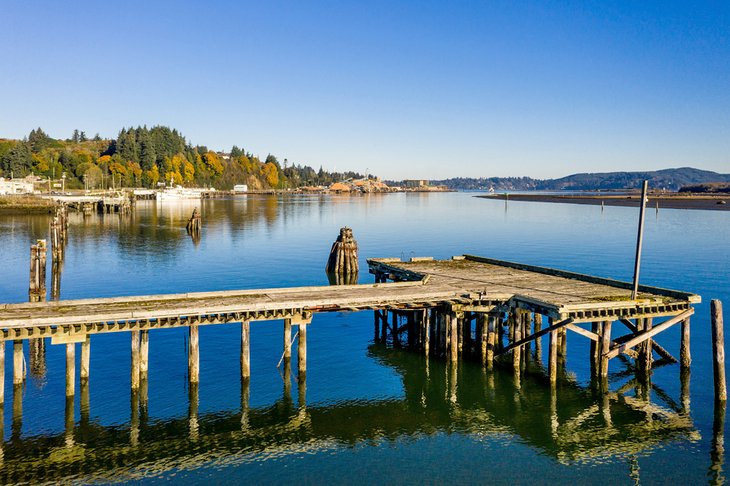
<point x="639" y="239"/>
<point x="343" y="255"/>
<point x="37" y="287"/>
<point x="718" y="350"/>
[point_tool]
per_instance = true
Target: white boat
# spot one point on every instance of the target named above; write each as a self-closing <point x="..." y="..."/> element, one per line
<point x="179" y="192"/>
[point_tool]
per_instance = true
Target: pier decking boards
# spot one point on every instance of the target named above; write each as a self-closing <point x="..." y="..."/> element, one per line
<point x="467" y="306"/>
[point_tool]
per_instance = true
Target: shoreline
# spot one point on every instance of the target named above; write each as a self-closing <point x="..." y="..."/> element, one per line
<point x="704" y="202"/>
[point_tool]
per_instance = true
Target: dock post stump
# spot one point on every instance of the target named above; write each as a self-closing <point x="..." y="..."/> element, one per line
<point x="718" y="350"/>
<point x="245" y="350"/>
<point x="342" y="260"/>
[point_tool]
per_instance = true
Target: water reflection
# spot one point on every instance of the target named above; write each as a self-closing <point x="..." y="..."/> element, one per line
<point x="568" y="423"/>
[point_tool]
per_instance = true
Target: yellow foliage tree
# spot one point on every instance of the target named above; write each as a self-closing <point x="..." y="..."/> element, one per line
<point x="188" y="172"/>
<point x="213" y="163"/>
<point x="271" y="174"/>
<point x="152" y="176"/>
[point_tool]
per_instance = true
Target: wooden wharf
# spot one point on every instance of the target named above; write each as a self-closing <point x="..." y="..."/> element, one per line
<point x="468" y="306"/>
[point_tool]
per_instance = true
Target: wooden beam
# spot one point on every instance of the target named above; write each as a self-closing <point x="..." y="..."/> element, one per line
<point x="640" y="338"/>
<point x="538" y="334"/>
<point x="583" y="332"/>
<point x="656" y="346"/>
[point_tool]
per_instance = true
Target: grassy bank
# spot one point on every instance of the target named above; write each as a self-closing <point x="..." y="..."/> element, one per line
<point x="25" y="205"/>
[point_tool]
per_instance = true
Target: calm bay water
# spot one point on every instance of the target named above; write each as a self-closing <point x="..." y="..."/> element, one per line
<point x="370" y="414"/>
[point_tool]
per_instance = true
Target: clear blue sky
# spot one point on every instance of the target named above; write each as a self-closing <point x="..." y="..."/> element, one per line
<point x="404" y="89"/>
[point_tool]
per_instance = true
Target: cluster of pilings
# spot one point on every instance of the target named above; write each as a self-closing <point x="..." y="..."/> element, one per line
<point x="342" y="265"/>
<point x="511" y="337"/>
<point x="194" y="225"/>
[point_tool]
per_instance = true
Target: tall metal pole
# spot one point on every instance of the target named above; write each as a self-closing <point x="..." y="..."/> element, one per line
<point x="639" y="239"/>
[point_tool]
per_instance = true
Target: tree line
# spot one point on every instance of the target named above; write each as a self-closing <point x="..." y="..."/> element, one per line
<point x="148" y="157"/>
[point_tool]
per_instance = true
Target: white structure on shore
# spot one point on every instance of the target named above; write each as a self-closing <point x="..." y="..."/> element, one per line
<point x="15" y="186"/>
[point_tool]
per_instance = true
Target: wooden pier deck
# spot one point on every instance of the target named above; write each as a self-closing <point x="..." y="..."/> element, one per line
<point x="464" y="306"/>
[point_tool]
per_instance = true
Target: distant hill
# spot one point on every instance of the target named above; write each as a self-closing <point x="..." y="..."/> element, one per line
<point x="669" y="179"/>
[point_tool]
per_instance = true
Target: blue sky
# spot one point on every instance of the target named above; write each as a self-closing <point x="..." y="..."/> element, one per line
<point x="402" y="89"/>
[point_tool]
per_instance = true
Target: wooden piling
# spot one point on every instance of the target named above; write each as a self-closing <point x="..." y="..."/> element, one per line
<point x="483" y="337"/>
<point x="376" y="319"/>
<point x="144" y="351"/>
<point x="517" y="352"/>
<point x="537" y="327"/>
<point x="453" y="327"/>
<point x="85" y="358"/>
<point x="647" y="358"/>
<point x="384" y="326"/>
<point x="37" y="284"/>
<point x="245" y="350"/>
<point x="134" y="368"/>
<point x="194" y="223"/>
<point x="302" y="349"/>
<point x="18" y="362"/>
<point x="492" y="320"/>
<point x="553" y="355"/>
<point x="2" y="373"/>
<point x="605" y="346"/>
<point x="287" y="338"/>
<point x="193" y="355"/>
<point x="685" y="357"/>
<point x="70" y="369"/>
<point x="426" y="331"/>
<point x="718" y="350"/>
<point x="343" y="254"/>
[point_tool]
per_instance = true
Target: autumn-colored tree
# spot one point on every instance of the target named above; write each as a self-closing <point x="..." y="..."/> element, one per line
<point x="188" y="172"/>
<point x="271" y="174"/>
<point x="213" y="163"/>
<point x="151" y="177"/>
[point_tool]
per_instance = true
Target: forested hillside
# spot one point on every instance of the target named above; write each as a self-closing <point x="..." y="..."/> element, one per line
<point x="669" y="179"/>
<point x="143" y="157"/>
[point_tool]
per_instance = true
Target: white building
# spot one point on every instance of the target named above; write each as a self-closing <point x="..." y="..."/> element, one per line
<point x="15" y="186"/>
<point x="240" y="188"/>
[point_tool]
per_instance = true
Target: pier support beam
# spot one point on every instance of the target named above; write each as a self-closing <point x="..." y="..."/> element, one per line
<point x="144" y="352"/>
<point x="604" y="347"/>
<point x="453" y="324"/>
<point x="685" y="357"/>
<point x="2" y="373"/>
<point x="70" y="369"/>
<point x="553" y="355"/>
<point x="426" y="330"/>
<point x="85" y="358"/>
<point x="245" y="349"/>
<point x="287" y="338"/>
<point x="134" y="372"/>
<point x="193" y="355"/>
<point x="492" y="321"/>
<point x="302" y="347"/>
<point x="18" y="362"/>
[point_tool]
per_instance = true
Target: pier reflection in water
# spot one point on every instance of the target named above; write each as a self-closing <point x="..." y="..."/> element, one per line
<point x="569" y="423"/>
